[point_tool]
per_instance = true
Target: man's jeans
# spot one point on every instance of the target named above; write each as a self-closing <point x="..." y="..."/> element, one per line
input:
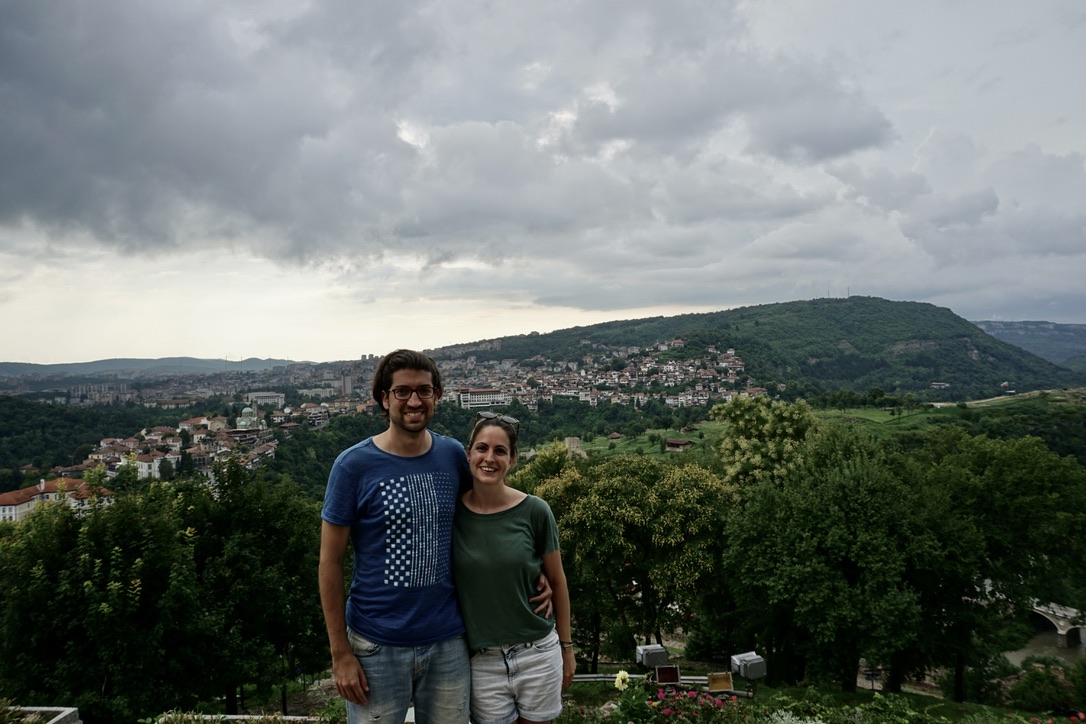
<point x="436" y="677"/>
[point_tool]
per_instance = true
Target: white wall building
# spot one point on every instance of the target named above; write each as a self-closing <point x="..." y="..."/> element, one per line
<point x="17" y="504"/>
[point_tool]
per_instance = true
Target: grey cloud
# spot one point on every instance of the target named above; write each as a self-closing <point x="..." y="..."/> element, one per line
<point x="954" y="209"/>
<point x="813" y="117"/>
<point x="1045" y="231"/>
<point x="809" y="242"/>
<point x="883" y="187"/>
<point x="135" y="135"/>
<point x="808" y="129"/>
<point x="791" y="112"/>
<point x="694" y="199"/>
<point x="949" y="159"/>
<point x="200" y="127"/>
<point x="1031" y="177"/>
<point x="480" y="180"/>
<point x="479" y="140"/>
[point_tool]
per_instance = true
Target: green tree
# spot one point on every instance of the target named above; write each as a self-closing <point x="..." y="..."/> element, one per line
<point x="127" y="477"/>
<point x="178" y="593"/>
<point x="1077" y="677"/>
<point x="820" y="557"/>
<point x="123" y="577"/>
<point x="643" y="538"/>
<point x="875" y="395"/>
<point x="1012" y="512"/>
<point x="185" y="466"/>
<point x="261" y="543"/>
<point x="764" y="438"/>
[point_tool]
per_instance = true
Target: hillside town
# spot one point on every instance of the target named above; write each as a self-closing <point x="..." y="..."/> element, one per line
<point x="623" y="376"/>
<point x="602" y="375"/>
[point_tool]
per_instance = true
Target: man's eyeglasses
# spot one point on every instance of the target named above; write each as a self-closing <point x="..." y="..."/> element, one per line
<point x="425" y="392"/>
<point x="488" y="415"/>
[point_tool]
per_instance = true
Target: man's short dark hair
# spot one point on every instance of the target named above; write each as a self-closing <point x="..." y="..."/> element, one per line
<point x="402" y="359"/>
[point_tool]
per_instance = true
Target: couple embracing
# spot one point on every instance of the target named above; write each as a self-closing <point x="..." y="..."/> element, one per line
<point x="422" y="514"/>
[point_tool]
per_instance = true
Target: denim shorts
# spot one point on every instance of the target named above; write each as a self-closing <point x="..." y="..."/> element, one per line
<point x="435" y="677"/>
<point x="521" y="680"/>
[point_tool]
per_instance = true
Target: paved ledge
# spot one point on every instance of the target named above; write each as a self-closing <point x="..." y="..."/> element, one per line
<point x="53" y="714"/>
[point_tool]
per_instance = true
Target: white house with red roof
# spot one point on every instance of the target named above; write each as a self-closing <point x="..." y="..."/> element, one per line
<point x="17" y="504"/>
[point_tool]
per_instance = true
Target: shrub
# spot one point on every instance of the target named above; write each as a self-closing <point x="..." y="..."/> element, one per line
<point x="1077" y="677"/>
<point x="1041" y="689"/>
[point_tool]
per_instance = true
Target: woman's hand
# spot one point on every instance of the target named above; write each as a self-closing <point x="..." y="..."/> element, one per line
<point x="569" y="666"/>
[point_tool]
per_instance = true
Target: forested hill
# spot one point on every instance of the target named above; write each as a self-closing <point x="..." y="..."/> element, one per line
<point x="823" y="344"/>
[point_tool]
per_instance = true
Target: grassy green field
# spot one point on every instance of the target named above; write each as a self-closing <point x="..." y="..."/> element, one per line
<point x="707" y="433"/>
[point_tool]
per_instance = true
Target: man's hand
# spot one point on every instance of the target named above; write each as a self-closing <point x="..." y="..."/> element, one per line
<point x="543" y="598"/>
<point x="350" y="678"/>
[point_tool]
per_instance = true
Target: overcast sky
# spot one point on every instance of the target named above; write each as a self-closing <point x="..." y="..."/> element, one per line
<point x="317" y="180"/>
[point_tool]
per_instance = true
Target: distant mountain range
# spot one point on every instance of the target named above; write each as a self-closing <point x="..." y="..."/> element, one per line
<point x="1064" y="344"/>
<point x="812" y="346"/>
<point x="127" y="366"/>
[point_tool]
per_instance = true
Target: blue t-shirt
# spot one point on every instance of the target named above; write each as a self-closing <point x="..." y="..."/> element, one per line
<point x="400" y="511"/>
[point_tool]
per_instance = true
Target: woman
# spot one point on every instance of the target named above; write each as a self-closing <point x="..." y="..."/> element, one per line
<point x="502" y="539"/>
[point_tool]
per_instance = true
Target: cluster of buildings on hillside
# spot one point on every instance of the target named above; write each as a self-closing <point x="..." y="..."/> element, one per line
<point x="195" y="444"/>
<point x="627" y="375"/>
<point x="622" y="375"/>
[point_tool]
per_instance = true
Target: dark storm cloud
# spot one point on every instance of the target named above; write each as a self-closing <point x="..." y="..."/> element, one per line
<point x="145" y="123"/>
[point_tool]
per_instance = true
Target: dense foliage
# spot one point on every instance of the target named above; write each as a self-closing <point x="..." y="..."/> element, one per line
<point x="836" y="547"/>
<point x="811" y="542"/>
<point x="1062" y="426"/>
<point x="166" y="598"/>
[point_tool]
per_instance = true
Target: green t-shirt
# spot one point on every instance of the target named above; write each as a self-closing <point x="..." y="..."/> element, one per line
<point x="497" y="558"/>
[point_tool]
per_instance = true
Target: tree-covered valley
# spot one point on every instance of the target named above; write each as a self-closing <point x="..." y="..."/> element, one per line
<point x="856" y="523"/>
<point x="802" y="534"/>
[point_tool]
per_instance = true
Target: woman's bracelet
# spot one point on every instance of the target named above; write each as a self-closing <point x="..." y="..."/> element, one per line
<point x="566" y="644"/>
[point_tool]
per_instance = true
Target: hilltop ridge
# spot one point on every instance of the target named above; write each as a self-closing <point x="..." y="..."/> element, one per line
<point x="811" y="347"/>
<point x="816" y="345"/>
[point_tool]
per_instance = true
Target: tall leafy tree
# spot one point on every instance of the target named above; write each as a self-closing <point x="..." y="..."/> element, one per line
<point x="645" y="535"/>
<point x="1014" y="513"/>
<point x="259" y="543"/>
<point x="820" y="556"/>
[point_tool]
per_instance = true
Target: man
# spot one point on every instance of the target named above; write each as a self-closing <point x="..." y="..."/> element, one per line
<point x="398" y="637"/>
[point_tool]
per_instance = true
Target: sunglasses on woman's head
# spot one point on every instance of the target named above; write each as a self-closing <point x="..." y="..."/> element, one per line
<point x="488" y="415"/>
